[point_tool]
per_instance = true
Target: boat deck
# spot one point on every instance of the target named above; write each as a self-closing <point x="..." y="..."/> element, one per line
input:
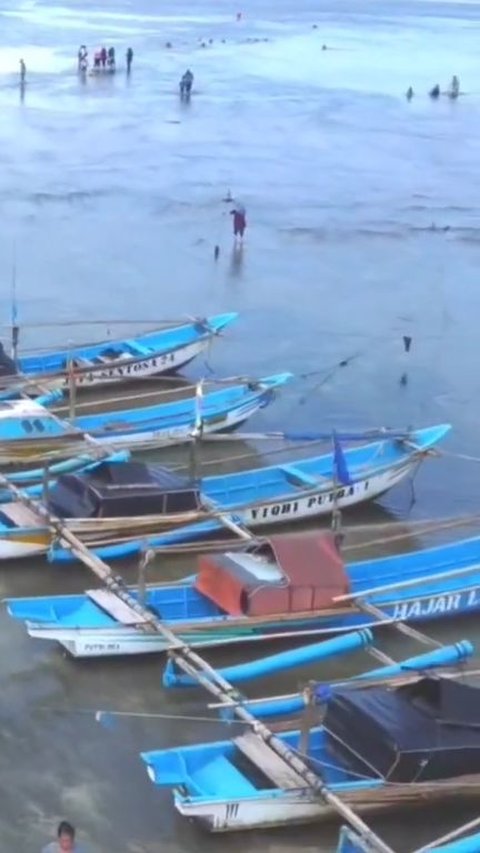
<point x="269" y="762"/>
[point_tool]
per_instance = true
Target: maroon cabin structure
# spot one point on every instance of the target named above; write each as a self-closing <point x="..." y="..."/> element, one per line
<point x="310" y="574"/>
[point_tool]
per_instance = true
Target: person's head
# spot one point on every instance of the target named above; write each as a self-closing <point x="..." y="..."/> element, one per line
<point x="66" y="836"/>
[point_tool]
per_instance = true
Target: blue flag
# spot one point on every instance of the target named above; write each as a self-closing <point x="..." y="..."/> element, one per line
<point x="340" y="463"/>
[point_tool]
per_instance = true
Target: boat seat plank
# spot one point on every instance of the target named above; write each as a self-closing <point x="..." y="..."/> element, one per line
<point x="220" y="774"/>
<point x="139" y="348"/>
<point x="114" y="606"/>
<point x="22" y="516"/>
<point x="274" y="767"/>
<point x="81" y="361"/>
<point x="297" y="477"/>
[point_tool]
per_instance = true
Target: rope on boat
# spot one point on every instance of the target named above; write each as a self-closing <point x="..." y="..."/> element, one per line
<point x="321" y="763"/>
<point x="99" y="714"/>
<point x="464" y="456"/>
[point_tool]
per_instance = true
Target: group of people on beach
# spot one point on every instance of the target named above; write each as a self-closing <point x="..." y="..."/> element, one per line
<point x="452" y="92"/>
<point x="103" y="59"/>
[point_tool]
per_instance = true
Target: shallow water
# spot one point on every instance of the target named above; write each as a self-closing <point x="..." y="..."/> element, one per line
<point x="111" y="193"/>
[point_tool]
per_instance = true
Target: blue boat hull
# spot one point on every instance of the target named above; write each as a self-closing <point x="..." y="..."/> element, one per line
<point x="29" y="432"/>
<point x="86" y="630"/>
<point x="108" y="362"/>
<point x="301" y="490"/>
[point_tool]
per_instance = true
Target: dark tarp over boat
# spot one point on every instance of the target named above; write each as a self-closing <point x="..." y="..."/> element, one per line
<point x="421" y="732"/>
<point x="127" y="489"/>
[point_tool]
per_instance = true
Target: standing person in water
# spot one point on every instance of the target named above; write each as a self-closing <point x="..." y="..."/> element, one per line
<point x="103" y="56"/>
<point x="23" y="71"/>
<point x="129" y="59"/>
<point x="454" y="87"/>
<point x="82" y="58"/>
<point x="186" y="83"/>
<point x="239" y="221"/>
<point x="65" y="842"/>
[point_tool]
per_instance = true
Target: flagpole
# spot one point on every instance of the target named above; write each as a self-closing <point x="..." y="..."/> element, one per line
<point x="336" y="512"/>
<point x="14" y="309"/>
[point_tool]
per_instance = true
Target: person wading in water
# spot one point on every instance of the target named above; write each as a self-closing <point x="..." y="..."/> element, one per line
<point x="239" y="221"/>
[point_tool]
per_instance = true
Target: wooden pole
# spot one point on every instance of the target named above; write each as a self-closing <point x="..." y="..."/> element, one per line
<point x="399" y="626"/>
<point x="72" y="390"/>
<point x="15" y="326"/>
<point x="197" y="432"/>
<point x="45" y="487"/>
<point x="145" y="559"/>
<point x="307" y="719"/>
<point x="392" y="587"/>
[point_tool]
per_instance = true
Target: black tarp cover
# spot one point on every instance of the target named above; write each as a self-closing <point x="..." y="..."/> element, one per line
<point x="425" y="731"/>
<point x="118" y="489"/>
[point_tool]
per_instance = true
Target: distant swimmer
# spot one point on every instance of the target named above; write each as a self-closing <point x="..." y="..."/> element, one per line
<point x="168" y="44"/>
<point x="129" y="57"/>
<point x="324" y="47"/>
<point x="409" y="93"/>
<point x="186" y="83"/>
<point x="435" y="92"/>
<point x="454" y="90"/>
<point x="23" y="71"/>
<point x="434" y="227"/>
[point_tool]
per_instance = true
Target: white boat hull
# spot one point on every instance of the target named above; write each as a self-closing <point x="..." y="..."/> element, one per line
<point x="114" y="642"/>
<point x="138" y="368"/>
<point x="153" y="439"/>
<point x="321" y="501"/>
<point x="263" y="813"/>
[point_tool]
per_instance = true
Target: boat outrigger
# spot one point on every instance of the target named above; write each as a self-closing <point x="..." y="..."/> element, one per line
<point x="397" y="736"/>
<point x="107" y="362"/>
<point x="29" y="431"/>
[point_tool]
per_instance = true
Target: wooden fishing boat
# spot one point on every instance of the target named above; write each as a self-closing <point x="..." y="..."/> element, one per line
<point x="288" y="586"/>
<point x="378" y="748"/>
<point x="301" y="489"/>
<point x="125" y="506"/>
<point x="30" y="432"/>
<point x="159" y="351"/>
